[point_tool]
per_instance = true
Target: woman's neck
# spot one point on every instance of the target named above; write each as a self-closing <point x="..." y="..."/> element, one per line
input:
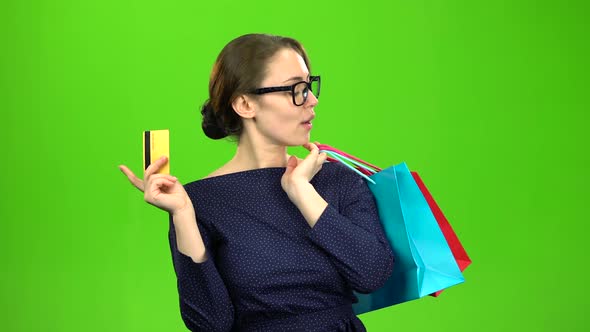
<point x="253" y="155"/>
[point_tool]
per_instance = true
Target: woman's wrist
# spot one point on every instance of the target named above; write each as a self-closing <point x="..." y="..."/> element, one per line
<point x="188" y="237"/>
<point x="185" y="210"/>
<point x="298" y="191"/>
<point x="308" y="201"/>
<point x="184" y="219"/>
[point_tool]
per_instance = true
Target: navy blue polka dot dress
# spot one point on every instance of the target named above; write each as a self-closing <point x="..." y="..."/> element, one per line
<point x="268" y="270"/>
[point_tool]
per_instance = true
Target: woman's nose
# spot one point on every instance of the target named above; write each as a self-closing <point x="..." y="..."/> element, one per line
<point x="311" y="100"/>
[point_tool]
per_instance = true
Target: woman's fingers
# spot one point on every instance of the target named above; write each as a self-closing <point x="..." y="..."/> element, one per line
<point x="157" y="193"/>
<point x="311" y="147"/>
<point x="172" y="178"/>
<point x="155" y="167"/>
<point x="161" y="183"/>
<point x="322" y="158"/>
<point x="315" y="159"/>
<point x="157" y="179"/>
<point x="135" y="181"/>
<point x="313" y="151"/>
<point x="165" y="176"/>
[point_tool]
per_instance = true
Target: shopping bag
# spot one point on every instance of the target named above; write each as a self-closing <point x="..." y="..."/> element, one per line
<point x="457" y="249"/>
<point x="424" y="263"/>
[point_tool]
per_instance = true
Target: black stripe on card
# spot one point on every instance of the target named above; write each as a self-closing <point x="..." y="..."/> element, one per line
<point x="147" y="148"/>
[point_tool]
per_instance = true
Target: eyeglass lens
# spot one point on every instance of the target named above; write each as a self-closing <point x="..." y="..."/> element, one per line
<point x="301" y="92"/>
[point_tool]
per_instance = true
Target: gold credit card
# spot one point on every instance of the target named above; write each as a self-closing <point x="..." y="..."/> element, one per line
<point x="156" y="145"/>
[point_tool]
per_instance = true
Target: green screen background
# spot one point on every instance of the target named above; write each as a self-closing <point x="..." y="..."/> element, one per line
<point x="487" y="100"/>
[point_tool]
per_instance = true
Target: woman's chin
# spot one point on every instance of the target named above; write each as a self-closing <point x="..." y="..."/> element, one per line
<point x="304" y="141"/>
<point x="297" y="142"/>
<point x="298" y="139"/>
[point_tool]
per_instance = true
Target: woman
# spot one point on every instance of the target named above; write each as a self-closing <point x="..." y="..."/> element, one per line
<point x="269" y="242"/>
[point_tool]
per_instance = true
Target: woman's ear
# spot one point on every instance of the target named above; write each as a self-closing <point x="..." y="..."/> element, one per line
<point x="244" y="106"/>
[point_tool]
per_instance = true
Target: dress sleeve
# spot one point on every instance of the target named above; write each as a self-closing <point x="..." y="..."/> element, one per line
<point x="205" y="304"/>
<point x="353" y="237"/>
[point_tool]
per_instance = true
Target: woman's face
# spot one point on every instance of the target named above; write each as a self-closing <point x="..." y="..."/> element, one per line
<point x="277" y="118"/>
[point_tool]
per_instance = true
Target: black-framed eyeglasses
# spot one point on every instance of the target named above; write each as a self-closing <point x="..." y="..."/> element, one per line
<point x="299" y="91"/>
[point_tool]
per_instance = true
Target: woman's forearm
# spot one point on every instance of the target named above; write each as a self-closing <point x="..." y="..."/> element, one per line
<point x="188" y="237"/>
<point x="309" y="202"/>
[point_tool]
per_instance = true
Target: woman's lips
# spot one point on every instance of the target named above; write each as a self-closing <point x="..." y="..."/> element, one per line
<point x="307" y="124"/>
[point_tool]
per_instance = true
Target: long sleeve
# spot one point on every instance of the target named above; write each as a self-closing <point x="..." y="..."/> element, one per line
<point x="205" y="304"/>
<point x="353" y="237"/>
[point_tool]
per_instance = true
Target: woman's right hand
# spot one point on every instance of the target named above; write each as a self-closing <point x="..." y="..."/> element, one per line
<point x="160" y="190"/>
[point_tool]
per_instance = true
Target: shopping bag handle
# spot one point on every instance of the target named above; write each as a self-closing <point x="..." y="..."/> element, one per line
<point x="326" y="147"/>
<point x="342" y="157"/>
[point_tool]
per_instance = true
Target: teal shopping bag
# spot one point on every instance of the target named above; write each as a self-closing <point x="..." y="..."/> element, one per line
<point x="424" y="262"/>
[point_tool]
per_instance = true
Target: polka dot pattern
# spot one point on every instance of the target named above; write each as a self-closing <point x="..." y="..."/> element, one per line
<point x="268" y="270"/>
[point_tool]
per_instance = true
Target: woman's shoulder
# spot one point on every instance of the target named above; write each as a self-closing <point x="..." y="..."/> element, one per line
<point x="223" y="170"/>
<point x="228" y="178"/>
<point x="230" y="168"/>
<point x="342" y="171"/>
<point x="336" y="172"/>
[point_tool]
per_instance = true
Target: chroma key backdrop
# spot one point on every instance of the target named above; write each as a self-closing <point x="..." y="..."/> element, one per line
<point x="488" y="101"/>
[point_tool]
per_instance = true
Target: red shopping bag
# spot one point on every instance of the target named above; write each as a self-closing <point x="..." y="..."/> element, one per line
<point x="453" y="241"/>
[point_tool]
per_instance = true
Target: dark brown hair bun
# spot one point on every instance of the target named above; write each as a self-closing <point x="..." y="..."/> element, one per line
<point x="211" y="125"/>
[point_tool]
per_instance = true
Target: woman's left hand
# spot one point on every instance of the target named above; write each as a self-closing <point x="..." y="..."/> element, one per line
<point x="301" y="172"/>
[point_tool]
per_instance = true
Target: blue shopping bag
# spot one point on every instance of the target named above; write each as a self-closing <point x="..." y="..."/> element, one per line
<point x="424" y="262"/>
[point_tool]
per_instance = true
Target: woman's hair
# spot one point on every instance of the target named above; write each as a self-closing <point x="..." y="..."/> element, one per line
<point x="240" y="68"/>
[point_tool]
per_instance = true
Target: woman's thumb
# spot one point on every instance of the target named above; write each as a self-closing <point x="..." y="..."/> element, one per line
<point x="291" y="164"/>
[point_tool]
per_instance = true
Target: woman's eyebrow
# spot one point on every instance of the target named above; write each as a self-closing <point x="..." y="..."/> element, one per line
<point x="298" y="78"/>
